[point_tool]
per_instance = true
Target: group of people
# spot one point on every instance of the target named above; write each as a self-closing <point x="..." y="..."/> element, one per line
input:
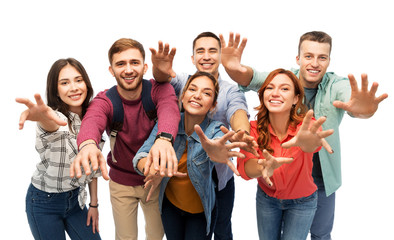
<point x="175" y="159"/>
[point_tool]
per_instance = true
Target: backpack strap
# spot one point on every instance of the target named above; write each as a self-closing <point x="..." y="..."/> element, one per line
<point x="147" y="102"/>
<point x="117" y="117"/>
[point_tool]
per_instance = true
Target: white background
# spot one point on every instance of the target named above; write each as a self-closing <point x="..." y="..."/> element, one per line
<point x="36" y="33"/>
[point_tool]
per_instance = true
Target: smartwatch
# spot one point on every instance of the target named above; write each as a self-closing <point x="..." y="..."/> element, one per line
<point x="165" y="136"/>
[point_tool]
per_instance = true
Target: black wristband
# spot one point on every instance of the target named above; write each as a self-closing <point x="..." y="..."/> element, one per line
<point x="92" y="206"/>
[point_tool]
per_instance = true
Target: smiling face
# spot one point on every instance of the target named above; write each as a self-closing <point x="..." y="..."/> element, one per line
<point x="206" y="55"/>
<point x="72" y="89"/>
<point x="313" y="59"/>
<point x="279" y="95"/>
<point x="128" y="68"/>
<point x="199" y="97"/>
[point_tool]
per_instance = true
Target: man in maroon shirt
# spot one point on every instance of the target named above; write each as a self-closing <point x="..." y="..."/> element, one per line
<point x="127" y="59"/>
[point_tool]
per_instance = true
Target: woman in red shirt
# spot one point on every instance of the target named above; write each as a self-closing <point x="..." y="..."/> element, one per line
<point x="286" y="198"/>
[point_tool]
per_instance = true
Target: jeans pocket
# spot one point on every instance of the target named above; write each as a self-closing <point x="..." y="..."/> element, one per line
<point x="38" y="196"/>
<point x="308" y="199"/>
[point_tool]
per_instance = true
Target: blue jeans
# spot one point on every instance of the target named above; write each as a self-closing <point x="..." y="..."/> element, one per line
<point x="225" y="204"/>
<point x="284" y="219"/>
<point x="181" y="225"/>
<point x="324" y="217"/>
<point x="51" y="214"/>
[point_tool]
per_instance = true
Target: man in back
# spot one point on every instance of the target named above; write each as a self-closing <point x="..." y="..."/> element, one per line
<point x="328" y="95"/>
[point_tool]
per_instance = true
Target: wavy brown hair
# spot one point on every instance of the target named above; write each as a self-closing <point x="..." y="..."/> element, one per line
<point x="297" y="112"/>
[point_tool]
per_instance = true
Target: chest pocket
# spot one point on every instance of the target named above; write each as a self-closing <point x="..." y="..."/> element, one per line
<point x="202" y="164"/>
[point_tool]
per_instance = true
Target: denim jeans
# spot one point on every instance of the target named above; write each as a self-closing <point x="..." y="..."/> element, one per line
<point x="324" y="218"/>
<point x="181" y="225"/>
<point x="284" y="219"/>
<point x="50" y="215"/>
<point x="225" y="204"/>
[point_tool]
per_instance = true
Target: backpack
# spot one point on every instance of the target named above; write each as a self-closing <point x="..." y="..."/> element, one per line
<point x="118" y="112"/>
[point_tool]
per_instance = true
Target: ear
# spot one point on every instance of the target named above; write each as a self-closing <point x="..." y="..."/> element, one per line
<point x="145" y="68"/>
<point x="298" y="60"/>
<point x="111" y="71"/>
<point x="192" y="57"/>
<point x="295" y="100"/>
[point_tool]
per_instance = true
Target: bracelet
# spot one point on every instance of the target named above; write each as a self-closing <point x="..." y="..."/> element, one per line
<point x="93" y="206"/>
<point x="85" y="145"/>
<point x="244" y="131"/>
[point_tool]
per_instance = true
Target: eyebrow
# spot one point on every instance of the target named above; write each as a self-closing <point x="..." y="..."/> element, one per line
<point x="201" y="48"/>
<point x="194" y="85"/>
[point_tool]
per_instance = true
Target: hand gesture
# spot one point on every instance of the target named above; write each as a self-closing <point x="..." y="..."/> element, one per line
<point x="153" y="179"/>
<point x="162" y="61"/>
<point x="163" y="158"/>
<point x="232" y="53"/>
<point x="93" y="217"/>
<point x="241" y="136"/>
<point x="362" y="103"/>
<point x="39" y="112"/>
<point x="269" y="164"/>
<point x="218" y="150"/>
<point x="89" y="153"/>
<point x="308" y="138"/>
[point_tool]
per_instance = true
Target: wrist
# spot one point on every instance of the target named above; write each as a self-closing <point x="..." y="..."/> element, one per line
<point x="91" y="205"/>
<point x="165" y="136"/>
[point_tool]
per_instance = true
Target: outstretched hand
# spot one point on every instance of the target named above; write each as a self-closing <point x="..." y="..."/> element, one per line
<point x="153" y="179"/>
<point x="39" y="112"/>
<point x="362" y="103"/>
<point x="308" y="137"/>
<point x="241" y="136"/>
<point x="269" y="164"/>
<point x="232" y="53"/>
<point x="162" y="61"/>
<point x="218" y="150"/>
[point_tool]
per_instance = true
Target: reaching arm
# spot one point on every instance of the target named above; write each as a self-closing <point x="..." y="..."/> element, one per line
<point x="362" y="103"/>
<point x="41" y="113"/>
<point x="231" y="59"/>
<point x="162" y="62"/>
<point x="93" y="214"/>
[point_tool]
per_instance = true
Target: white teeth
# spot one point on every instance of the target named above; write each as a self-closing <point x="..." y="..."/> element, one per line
<point x="313" y="71"/>
<point x="75" y="96"/>
<point x="207" y="64"/>
<point x="195" y="104"/>
<point x="274" y="101"/>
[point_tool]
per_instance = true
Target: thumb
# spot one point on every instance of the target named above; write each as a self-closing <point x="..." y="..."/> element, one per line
<point x="339" y="104"/>
<point x="200" y="133"/>
<point x="291" y="143"/>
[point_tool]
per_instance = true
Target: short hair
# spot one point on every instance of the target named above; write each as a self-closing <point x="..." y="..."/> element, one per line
<point x="122" y="45"/>
<point x="315" y="36"/>
<point x="206" y="34"/>
<point x="52" y="92"/>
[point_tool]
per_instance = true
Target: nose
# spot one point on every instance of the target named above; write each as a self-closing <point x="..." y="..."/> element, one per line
<point x="315" y="62"/>
<point x="206" y="55"/>
<point x="197" y="95"/>
<point x="73" y="86"/>
<point x="128" y="68"/>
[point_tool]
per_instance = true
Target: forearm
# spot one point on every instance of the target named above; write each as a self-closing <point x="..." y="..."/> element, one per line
<point x="240" y="121"/>
<point x="160" y="76"/>
<point x="141" y="164"/>
<point x="93" y="192"/>
<point x="252" y="168"/>
<point x="243" y="78"/>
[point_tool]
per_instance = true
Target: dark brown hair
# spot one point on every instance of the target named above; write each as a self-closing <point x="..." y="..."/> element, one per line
<point x="122" y="45"/>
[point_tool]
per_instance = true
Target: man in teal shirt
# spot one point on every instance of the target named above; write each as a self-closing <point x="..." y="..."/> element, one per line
<point x="328" y="95"/>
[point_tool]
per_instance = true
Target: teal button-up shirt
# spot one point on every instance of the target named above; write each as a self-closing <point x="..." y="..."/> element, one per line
<point x="331" y="88"/>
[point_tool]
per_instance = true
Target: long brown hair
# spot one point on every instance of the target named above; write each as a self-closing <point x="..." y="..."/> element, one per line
<point x="297" y="112"/>
<point x="52" y="93"/>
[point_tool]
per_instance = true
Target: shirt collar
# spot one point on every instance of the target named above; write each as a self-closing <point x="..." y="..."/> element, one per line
<point x="203" y="125"/>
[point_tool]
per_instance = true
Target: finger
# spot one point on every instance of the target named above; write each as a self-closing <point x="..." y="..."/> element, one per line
<point x="88" y="219"/>
<point x="232" y="167"/>
<point x="222" y="41"/>
<point x="77" y="169"/>
<point x="364" y="82"/>
<point x="169" y="164"/>
<point x="243" y="44"/>
<point x="235" y="154"/>
<point x="39" y="100"/>
<point x="103" y="167"/>
<point x="266" y="154"/>
<point x="341" y="105"/>
<point x="266" y="177"/>
<point x="160" y="47"/>
<point x="174" y="161"/>
<point x="226" y="137"/>
<point x="307" y="120"/>
<point x="353" y="83"/>
<point x="147" y="164"/>
<point x="236" y="145"/>
<point x="166" y="49"/>
<point x="224" y="129"/>
<point x="25" y="101"/>
<point x="151" y="190"/>
<point x="327" y="146"/>
<point x="231" y="39"/>
<point x="317" y="124"/>
<point x="381" y="98"/>
<point x="237" y="39"/>
<point x="374" y="88"/>
<point x="155" y="159"/>
<point x="22" y="118"/>
<point x="291" y="143"/>
<point x="180" y="174"/>
<point x="153" y="51"/>
<point x="86" y="165"/>
<point x="173" y="52"/>
<point x="72" y="172"/>
<point x="200" y="133"/>
<point x="284" y="160"/>
<point x="163" y="162"/>
<point x="326" y="133"/>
